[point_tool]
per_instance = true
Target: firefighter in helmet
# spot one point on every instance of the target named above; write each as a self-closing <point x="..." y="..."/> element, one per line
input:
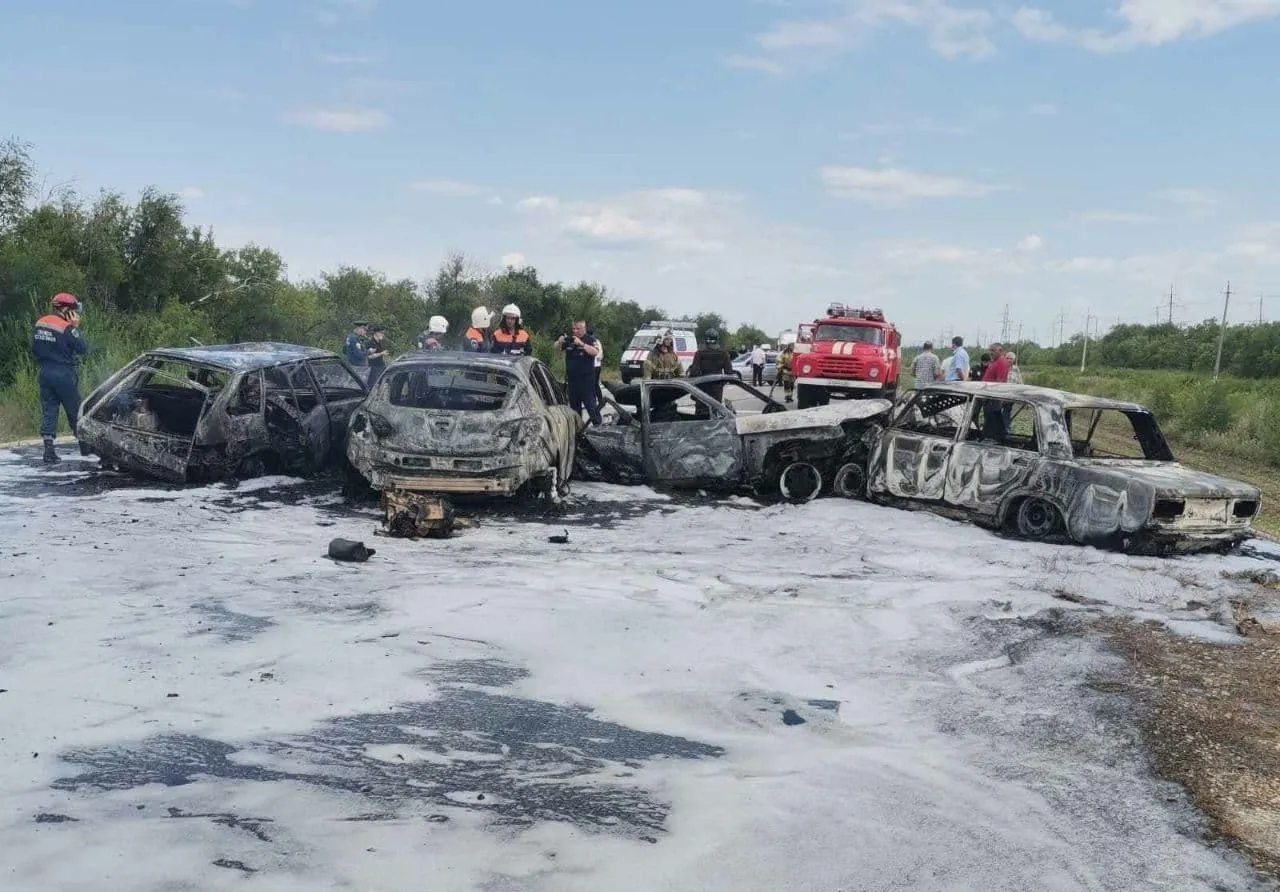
<point x="57" y="345"/>
<point x="511" y="339"/>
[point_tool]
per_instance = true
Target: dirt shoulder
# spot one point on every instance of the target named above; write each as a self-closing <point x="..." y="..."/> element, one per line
<point x="1212" y="717"/>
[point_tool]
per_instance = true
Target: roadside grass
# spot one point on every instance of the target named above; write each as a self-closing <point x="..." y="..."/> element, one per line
<point x="1211" y="719"/>
<point x="1231" y="428"/>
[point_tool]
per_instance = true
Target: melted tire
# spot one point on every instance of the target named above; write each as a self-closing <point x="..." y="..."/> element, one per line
<point x="800" y="482"/>
<point x="850" y="482"/>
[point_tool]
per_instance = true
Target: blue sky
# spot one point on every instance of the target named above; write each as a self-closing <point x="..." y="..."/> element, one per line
<point x="761" y="158"/>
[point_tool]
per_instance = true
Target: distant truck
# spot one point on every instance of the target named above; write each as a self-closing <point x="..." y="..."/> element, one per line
<point x="851" y="353"/>
<point x="683" y="331"/>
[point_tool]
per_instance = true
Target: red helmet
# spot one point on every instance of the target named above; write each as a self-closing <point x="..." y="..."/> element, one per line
<point x="64" y="300"/>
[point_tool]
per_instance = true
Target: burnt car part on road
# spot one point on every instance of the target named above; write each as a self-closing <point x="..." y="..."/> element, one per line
<point x="699" y="433"/>
<point x="465" y="424"/>
<point x="1045" y="464"/>
<point x="204" y="413"/>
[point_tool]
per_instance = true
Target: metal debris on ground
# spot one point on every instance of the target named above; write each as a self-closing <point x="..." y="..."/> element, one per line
<point x="416" y="515"/>
<point x="350" y="550"/>
<point x="559" y="540"/>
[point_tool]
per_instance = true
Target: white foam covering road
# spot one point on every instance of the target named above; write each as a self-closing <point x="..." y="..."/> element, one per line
<point x="689" y="695"/>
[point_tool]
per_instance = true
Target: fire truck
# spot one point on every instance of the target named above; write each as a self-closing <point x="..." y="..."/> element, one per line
<point x="852" y="353"/>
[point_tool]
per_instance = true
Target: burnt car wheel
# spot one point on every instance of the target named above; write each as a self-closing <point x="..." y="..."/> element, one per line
<point x="800" y="482"/>
<point x="1036" y="519"/>
<point x="850" y="481"/>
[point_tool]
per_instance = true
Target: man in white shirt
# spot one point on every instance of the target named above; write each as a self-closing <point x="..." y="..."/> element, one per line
<point x="757" y="366"/>
<point x="958" y="364"/>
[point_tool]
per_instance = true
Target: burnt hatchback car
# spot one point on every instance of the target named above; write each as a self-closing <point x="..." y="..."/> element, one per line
<point x="465" y="424"/>
<point x="204" y="413"/>
<point x="1045" y="464"/>
<point x="702" y="433"/>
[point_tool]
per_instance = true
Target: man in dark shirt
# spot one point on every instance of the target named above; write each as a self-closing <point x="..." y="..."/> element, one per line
<point x="378" y="351"/>
<point x="580" y="351"/>
<point x="712" y="359"/>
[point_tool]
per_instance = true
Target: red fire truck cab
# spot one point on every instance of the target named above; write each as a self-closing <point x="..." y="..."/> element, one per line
<point x="852" y="353"/>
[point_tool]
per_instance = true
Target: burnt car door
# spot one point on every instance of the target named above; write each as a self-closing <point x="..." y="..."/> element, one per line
<point x="562" y="422"/>
<point x="689" y="439"/>
<point x="343" y="391"/>
<point x="918" y="444"/>
<point x="995" y="457"/>
<point x="297" y="421"/>
<point x="613" y="451"/>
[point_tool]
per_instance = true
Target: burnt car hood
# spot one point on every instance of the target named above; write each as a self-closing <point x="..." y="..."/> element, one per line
<point x="832" y="415"/>
<point x="1171" y="479"/>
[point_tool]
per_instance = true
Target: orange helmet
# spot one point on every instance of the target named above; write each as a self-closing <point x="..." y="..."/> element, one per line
<point x="62" y="301"/>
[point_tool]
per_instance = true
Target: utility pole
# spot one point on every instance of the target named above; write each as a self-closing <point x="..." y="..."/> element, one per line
<point x="1259" y="309"/>
<point x="1084" y="354"/>
<point x="1222" y="333"/>
<point x="1062" y="327"/>
<point x="1004" y="325"/>
<point x="1019" y="333"/>
<point x="1171" y="304"/>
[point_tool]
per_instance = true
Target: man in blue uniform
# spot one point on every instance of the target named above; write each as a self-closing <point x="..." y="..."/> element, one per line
<point x="355" y="347"/>
<point x="57" y="347"/>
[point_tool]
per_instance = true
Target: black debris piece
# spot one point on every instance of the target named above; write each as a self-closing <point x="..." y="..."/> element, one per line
<point x="349" y="550"/>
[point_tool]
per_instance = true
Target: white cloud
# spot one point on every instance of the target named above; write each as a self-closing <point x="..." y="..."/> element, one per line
<point x="1115" y="217"/>
<point x="191" y="193"/>
<point x="755" y="63"/>
<point x="1031" y="244"/>
<point x="1043" y="109"/>
<point x="895" y="186"/>
<point x="340" y="120"/>
<point x="347" y="59"/>
<point x="952" y="31"/>
<point x="538" y="203"/>
<point x="1192" y="198"/>
<point x="1148" y="23"/>
<point x="513" y="259"/>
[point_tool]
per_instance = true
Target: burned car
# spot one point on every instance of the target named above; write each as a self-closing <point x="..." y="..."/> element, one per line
<point x="700" y="433"/>
<point x="1045" y="464"/>
<point x="465" y="423"/>
<point x="204" y="413"/>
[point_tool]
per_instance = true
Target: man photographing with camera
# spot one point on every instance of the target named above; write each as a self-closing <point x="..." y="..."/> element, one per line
<point x="580" y="352"/>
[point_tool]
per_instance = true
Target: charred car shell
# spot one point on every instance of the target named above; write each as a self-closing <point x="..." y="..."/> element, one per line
<point x="465" y="423"/>
<point x="1049" y="464"/>
<point x="685" y="433"/>
<point x="203" y="413"/>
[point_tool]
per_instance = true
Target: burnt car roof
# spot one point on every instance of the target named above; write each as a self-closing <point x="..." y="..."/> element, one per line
<point x="1046" y="396"/>
<point x="630" y="393"/>
<point x="243" y="357"/>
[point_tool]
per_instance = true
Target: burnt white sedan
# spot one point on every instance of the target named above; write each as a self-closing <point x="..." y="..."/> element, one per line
<point x="465" y="424"/>
<point x="1044" y="463"/>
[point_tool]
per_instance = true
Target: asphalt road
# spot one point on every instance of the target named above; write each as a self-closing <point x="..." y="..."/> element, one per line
<point x="689" y="694"/>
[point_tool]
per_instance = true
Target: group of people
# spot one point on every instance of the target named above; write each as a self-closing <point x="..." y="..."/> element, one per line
<point x="996" y="366"/>
<point x="366" y="346"/>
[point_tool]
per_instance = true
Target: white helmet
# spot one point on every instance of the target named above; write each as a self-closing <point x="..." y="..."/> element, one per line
<point x="438" y="325"/>
<point x="481" y="317"/>
<point x="511" y="310"/>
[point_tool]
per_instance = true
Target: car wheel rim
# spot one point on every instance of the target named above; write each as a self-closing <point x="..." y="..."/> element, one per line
<point x="800" y="482"/>
<point x="850" y="481"/>
<point x="1037" y="518"/>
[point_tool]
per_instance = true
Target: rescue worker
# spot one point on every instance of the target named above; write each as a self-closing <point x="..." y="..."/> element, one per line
<point x="57" y="346"/>
<point x="356" y="345"/>
<point x="712" y="359"/>
<point x="785" y="374"/>
<point x="433" y="337"/>
<point x="511" y="339"/>
<point x="663" y="364"/>
<point x="379" y="350"/>
<point x="476" y="340"/>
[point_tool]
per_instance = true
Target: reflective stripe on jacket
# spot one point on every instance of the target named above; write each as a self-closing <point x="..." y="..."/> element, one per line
<point x="57" y="341"/>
